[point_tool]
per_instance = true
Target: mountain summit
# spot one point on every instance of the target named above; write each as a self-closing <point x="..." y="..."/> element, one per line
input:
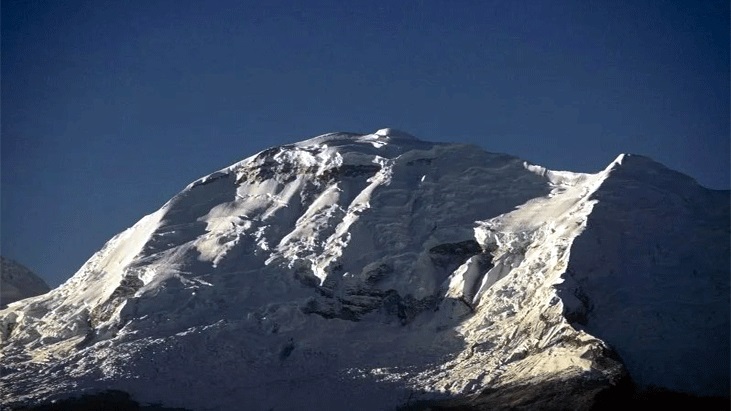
<point x="373" y="271"/>
<point x="18" y="282"/>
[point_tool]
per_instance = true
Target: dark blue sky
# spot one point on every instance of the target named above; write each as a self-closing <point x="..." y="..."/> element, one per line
<point x="109" y="108"/>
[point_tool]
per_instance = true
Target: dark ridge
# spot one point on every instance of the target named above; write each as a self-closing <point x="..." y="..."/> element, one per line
<point x="576" y="395"/>
<point x="449" y="256"/>
<point x="111" y="400"/>
<point x="666" y="399"/>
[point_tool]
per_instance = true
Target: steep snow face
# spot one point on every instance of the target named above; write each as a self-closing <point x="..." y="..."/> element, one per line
<point x="653" y="270"/>
<point x="374" y="269"/>
<point x="17" y="282"/>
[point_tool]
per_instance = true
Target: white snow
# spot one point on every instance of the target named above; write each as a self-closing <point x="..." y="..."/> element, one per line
<point x="379" y="269"/>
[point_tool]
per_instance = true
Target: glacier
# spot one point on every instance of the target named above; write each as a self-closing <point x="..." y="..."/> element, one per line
<point x="376" y="271"/>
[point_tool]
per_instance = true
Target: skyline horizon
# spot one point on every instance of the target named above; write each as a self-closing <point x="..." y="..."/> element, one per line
<point x="609" y="163"/>
<point x="109" y="108"/>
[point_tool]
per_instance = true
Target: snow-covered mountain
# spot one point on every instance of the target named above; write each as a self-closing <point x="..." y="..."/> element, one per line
<point x="375" y="271"/>
<point x="18" y="282"/>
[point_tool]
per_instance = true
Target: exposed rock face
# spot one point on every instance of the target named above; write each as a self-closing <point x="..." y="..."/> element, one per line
<point x="384" y="271"/>
<point x="17" y="282"/>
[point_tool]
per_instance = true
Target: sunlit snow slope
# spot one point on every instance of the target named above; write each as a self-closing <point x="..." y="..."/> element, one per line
<point x="372" y="271"/>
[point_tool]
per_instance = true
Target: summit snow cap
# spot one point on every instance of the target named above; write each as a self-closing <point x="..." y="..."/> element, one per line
<point x="382" y="270"/>
<point x="392" y="132"/>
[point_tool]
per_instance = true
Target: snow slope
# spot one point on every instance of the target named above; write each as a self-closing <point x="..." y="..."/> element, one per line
<point x="18" y="282"/>
<point x="653" y="265"/>
<point x="370" y="271"/>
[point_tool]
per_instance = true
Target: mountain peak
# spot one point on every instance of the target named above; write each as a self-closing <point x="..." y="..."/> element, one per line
<point x="381" y="138"/>
<point x="379" y="269"/>
<point x="392" y="132"/>
<point x="18" y="282"/>
<point x="634" y="160"/>
<point x="638" y="168"/>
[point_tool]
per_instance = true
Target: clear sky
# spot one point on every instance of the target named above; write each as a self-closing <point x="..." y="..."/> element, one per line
<point x="109" y="108"/>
